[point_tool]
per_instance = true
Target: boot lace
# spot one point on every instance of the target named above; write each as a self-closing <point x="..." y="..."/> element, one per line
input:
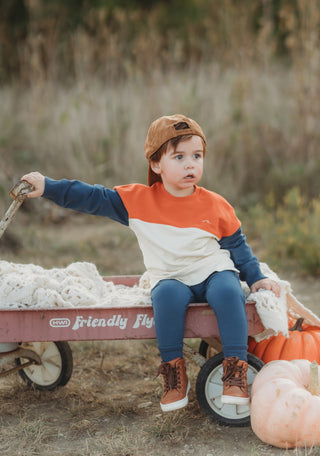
<point x="234" y="373"/>
<point x="171" y="376"/>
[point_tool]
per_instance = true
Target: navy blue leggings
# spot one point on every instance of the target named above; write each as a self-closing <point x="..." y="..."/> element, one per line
<point x="222" y="291"/>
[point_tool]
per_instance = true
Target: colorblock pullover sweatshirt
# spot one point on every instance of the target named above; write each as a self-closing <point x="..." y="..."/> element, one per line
<point x="185" y="238"/>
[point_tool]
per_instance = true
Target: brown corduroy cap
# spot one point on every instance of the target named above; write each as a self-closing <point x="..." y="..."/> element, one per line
<point x="163" y="129"/>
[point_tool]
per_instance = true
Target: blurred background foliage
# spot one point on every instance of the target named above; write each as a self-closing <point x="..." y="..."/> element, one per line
<point x="81" y="80"/>
<point x="141" y="35"/>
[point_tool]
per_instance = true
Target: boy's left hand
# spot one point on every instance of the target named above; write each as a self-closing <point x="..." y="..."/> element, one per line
<point x="266" y="284"/>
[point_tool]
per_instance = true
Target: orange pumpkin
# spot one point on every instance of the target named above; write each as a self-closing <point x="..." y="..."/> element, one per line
<point x="303" y="343"/>
<point x="285" y="404"/>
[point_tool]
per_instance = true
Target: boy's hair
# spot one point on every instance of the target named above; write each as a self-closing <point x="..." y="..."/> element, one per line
<point x="165" y="131"/>
<point x="171" y="142"/>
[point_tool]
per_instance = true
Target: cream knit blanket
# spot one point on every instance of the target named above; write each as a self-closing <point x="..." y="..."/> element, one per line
<point x="273" y="311"/>
<point x="28" y="286"/>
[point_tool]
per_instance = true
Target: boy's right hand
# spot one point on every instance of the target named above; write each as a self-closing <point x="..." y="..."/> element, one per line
<point x="38" y="181"/>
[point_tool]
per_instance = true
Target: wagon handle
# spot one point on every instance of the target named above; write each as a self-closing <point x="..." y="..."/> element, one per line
<point x="19" y="193"/>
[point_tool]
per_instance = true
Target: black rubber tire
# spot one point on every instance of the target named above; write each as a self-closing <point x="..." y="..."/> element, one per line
<point x="55" y="369"/>
<point x="209" y="391"/>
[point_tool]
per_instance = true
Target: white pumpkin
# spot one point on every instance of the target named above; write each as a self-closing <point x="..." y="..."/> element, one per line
<point x="285" y="404"/>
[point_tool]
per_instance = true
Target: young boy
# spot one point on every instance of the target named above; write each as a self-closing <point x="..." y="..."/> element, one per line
<point x="192" y="246"/>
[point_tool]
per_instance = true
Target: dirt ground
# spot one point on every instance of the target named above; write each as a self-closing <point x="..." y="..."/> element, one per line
<point x="110" y="406"/>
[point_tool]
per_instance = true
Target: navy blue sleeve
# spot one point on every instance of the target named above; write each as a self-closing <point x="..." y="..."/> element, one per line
<point x="241" y="254"/>
<point x="90" y="199"/>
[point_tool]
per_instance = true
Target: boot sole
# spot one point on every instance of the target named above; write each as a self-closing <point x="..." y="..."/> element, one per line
<point x="176" y="405"/>
<point x="235" y="400"/>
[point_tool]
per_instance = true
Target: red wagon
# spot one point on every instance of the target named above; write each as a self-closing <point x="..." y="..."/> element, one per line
<point x="36" y="341"/>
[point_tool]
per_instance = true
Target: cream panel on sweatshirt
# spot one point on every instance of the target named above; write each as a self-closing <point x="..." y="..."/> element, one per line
<point x="162" y="247"/>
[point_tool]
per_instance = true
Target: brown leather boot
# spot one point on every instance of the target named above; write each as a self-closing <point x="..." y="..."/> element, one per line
<point x="176" y="385"/>
<point x="235" y="386"/>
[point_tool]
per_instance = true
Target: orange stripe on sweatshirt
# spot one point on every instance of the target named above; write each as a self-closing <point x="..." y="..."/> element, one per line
<point x="203" y="209"/>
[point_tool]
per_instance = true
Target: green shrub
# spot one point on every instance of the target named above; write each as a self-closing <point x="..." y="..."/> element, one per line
<point x="288" y="234"/>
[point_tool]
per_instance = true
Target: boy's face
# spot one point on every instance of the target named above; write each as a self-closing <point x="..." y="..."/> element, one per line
<point x="181" y="168"/>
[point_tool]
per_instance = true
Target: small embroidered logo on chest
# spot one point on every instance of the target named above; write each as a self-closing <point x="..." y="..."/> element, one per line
<point x="206" y="221"/>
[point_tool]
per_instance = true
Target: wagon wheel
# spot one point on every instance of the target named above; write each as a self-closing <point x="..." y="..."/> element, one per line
<point x="55" y="368"/>
<point x="209" y="390"/>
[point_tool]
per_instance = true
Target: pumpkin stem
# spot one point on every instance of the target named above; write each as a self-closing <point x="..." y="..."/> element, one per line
<point x="298" y="325"/>
<point x="313" y="387"/>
